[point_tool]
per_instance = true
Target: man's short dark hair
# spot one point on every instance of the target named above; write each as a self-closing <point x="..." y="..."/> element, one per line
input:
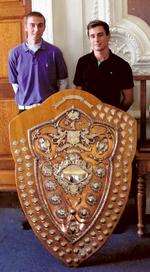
<point x="96" y="23"/>
<point x="35" y="14"/>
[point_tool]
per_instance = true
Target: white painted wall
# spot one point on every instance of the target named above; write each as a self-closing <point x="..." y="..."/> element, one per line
<point x="64" y="28"/>
<point x="68" y="31"/>
<point x="45" y="7"/>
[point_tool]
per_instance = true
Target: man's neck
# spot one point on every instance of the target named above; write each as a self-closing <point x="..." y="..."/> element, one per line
<point x="34" y="42"/>
<point x="33" y="46"/>
<point x="102" y="55"/>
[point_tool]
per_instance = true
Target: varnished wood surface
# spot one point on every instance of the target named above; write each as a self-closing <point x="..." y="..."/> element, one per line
<point x="11" y="33"/>
<point x="142" y="157"/>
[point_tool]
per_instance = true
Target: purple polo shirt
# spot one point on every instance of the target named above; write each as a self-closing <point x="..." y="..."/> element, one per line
<point x="36" y="74"/>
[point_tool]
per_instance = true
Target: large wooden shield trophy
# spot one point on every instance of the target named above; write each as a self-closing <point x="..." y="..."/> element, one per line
<point x="73" y="157"/>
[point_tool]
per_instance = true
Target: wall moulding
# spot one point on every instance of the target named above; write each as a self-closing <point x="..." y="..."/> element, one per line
<point x="129" y="34"/>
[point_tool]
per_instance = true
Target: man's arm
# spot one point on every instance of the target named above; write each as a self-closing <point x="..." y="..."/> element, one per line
<point x="12" y="70"/>
<point x="127" y="99"/>
<point x="15" y="87"/>
<point x="78" y="77"/>
<point x="61" y="68"/>
<point x="63" y="83"/>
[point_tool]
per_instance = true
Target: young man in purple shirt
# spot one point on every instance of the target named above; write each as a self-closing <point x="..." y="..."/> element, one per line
<point x="36" y="68"/>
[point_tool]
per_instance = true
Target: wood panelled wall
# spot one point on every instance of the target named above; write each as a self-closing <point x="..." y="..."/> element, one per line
<point x="11" y="34"/>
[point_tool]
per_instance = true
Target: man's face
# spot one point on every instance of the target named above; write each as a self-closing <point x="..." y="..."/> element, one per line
<point x="34" y="27"/>
<point x="98" y="38"/>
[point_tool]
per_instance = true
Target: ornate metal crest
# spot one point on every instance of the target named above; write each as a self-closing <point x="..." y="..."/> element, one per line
<point x="73" y="159"/>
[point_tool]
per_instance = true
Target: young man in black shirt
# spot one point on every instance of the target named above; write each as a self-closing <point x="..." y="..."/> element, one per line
<point x="103" y="73"/>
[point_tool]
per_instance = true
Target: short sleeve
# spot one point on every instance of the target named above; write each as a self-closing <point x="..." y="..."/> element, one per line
<point x="78" y="74"/>
<point x="127" y="77"/>
<point x="12" y="72"/>
<point x="61" y="65"/>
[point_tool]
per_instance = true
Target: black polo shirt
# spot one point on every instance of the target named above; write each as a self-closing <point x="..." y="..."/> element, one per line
<point x="107" y="80"/>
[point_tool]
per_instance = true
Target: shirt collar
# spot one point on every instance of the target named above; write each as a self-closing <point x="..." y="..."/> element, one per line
<point x="94" y="58"/>
<point x="26" y="49"/>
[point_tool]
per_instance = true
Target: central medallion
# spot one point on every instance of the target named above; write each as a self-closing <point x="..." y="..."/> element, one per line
<point x="73" y="174"/>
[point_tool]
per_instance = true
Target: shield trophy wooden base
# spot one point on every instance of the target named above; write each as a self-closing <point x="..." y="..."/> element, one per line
<point x="73" y="157"/>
